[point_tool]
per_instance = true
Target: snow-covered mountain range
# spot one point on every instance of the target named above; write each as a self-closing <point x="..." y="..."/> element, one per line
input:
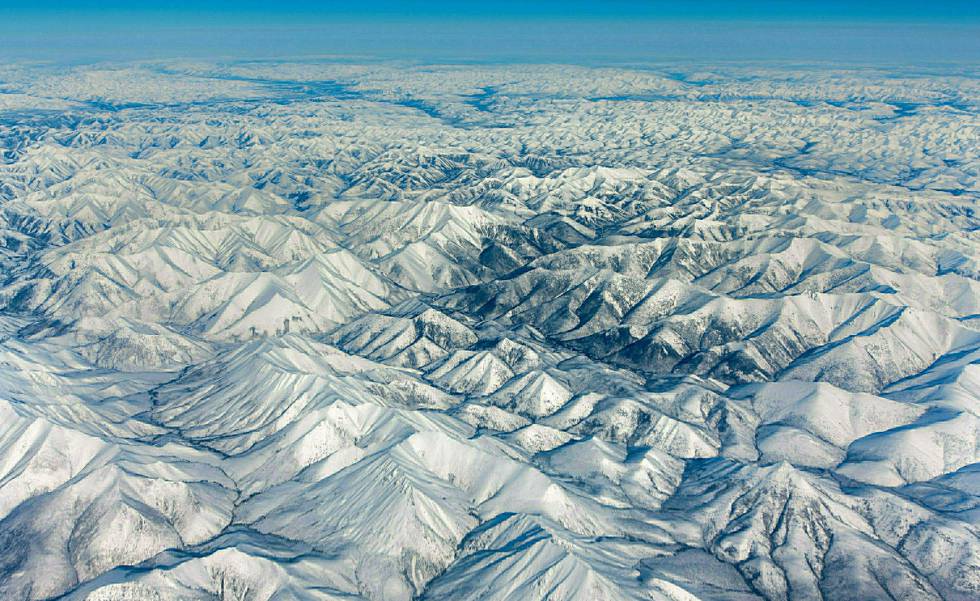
<point x="330" y="330"/>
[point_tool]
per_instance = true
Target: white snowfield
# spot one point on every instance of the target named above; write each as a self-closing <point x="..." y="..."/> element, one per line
<point x="335" y="331"/>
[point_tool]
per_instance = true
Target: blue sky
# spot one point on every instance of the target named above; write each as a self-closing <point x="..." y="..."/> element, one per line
<point x="552" y="30"/>
<point x="286" y="10"/>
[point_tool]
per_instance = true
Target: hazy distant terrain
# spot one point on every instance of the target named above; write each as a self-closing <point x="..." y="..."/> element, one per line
<point x="503" y="332"/>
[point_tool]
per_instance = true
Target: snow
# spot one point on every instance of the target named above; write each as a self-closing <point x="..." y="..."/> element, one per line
<point x="360" y="330"/>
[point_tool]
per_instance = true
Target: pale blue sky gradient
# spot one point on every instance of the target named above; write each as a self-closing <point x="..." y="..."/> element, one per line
<point x="507" y="30"/>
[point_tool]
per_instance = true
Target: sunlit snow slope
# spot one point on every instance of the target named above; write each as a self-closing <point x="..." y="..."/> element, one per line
<point x="288" y="331"/>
